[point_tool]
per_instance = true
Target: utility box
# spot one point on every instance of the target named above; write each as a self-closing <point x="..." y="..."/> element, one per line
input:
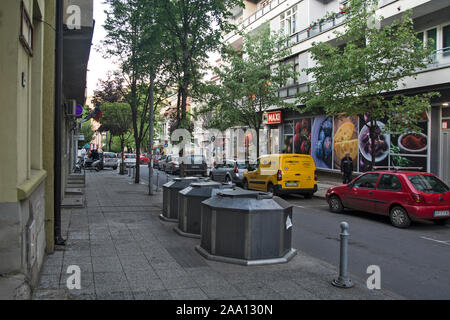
<point x="189" y="206"/>
<point x="246" y="227"/>
<point x="170" y="197"/>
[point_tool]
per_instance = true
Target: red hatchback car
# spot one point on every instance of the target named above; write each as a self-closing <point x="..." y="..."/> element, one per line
<point x="403" y="196"/>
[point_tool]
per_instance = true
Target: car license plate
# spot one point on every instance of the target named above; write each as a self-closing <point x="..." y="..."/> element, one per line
<point x="442" y="213"/>
<point x="291" y="184"/>
<point x="195" y="167"/>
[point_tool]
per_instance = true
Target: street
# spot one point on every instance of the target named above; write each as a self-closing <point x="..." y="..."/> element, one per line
<point x="414" y="262"/>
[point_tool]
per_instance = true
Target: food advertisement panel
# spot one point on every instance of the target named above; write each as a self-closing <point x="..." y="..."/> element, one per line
<point x="322" y="142"/>
<point x="302" y="136"/>
<point x="410" y="149"/>
<point x="345" y="139"/>
<point x="381" y="146"/>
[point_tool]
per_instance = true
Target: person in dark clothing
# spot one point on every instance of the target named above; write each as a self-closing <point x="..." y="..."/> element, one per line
<point x="95" y="155"/>
<point x="347" y="168"/>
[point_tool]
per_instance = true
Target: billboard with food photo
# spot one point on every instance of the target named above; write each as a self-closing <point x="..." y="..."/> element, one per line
<point x="381" y="145"/>
<point x="302" y="136"/>
<point x="410" y="149"/>
<point x="322" y="142"/>
<point x="345" y="140"/>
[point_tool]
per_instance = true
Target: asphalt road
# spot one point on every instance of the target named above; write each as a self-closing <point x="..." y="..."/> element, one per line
<point x="414" y="262"/>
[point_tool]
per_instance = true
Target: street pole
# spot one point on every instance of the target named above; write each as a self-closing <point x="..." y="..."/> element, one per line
<point x="58" y="128"/>
<point x="150" y="140"/>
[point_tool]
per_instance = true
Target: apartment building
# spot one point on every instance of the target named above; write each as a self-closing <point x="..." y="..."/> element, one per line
<point x="296" y="18"/>
<point x="28" y="90"/>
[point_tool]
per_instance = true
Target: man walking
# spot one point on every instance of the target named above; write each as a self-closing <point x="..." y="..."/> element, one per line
<point x="347" y="168"/>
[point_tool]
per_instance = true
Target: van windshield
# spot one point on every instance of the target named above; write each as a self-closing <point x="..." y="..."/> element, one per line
<point x="428" y="184"/>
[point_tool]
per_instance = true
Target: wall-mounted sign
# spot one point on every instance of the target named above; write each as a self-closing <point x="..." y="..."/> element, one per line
<point x="272" y="117"/>
<point x="79" y="110"/>
<point x="445" y="124"/>
<point x="26" y="30"/>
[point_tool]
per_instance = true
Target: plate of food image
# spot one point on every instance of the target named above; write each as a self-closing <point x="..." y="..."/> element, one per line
<point x="413" y="142"/>
<point x="381" y="143"/>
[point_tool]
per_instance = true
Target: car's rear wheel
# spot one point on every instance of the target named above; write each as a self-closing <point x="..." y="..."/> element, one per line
<point x="115" y="168"/>
<point x="335" y="204"/>
<point x="399" y="217"/>
<point x="271" y="189"/>
<point x="441" y="222"/>
<point x="245" y="184"/>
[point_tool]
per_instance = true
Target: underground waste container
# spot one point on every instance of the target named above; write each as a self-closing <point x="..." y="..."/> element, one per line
<point x="170" y="197"/>
<point x="246" y="227"/>
<point x="189" y="206"/>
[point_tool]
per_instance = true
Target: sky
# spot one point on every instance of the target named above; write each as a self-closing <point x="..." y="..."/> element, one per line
<point x="97" y="65"/>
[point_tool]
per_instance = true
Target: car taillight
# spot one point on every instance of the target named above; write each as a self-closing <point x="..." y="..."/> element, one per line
<point x="236" y="170"/>
<point x="279" y="176"/>
<point x="418" y="198"/>
<point x="185" y="166"/>
<point x="315" y="175"/>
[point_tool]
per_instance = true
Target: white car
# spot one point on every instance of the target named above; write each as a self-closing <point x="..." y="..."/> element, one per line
<point x="110" y="160"/>
<point x="129" y="160"/>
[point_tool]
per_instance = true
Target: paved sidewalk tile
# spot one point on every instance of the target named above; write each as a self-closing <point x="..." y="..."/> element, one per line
<point x="125" y="252"/>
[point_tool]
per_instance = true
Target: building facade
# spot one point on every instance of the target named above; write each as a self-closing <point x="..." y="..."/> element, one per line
<point x="290" y="131"/>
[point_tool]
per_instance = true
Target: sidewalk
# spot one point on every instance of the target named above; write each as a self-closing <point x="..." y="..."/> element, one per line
<point x="126" y="252"/>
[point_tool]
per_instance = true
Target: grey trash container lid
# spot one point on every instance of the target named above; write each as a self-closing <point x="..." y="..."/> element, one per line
<point x="180" y="183"/>
<point x="203" y="189"/>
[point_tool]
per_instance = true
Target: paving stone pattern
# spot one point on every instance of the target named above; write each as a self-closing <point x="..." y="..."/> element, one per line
<point x="126" y="252"/>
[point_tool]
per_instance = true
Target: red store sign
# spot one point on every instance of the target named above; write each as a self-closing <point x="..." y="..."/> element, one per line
<point x="272" y="117"/>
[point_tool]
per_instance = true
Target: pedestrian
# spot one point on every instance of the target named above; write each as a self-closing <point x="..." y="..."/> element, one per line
<point x="347" y="168"/>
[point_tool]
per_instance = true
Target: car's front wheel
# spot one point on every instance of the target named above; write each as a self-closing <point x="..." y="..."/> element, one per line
<point x="441" y="222"/>
<point x="245" y="184"/>
<point x="335" y="204"/>
<point x="399" y="217"/>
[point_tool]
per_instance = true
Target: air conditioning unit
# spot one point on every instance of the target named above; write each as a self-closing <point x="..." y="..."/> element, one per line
<point x="71" y="108"/>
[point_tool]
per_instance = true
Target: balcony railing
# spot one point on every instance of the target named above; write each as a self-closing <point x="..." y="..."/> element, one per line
<point x="440" y="58"/>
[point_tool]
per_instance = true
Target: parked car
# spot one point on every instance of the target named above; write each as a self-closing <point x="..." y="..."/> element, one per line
<point x="162" y="162"/>
<point x="129" y="160"/>
<point x="156" y="159"/>
<point x="229" y="171"/>
<point x="283" y="174"/>
<point x="172" y="164"/>
<point x="403" y="196"/>
<point x="110" y="160"/>
<point x="192" y="165"/>
<point x="143" y="159"/>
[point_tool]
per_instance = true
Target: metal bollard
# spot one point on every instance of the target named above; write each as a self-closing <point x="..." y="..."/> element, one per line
<point x="129" y="171"/>
<point x="157" y="181"/>
<point x="343" y="281"/>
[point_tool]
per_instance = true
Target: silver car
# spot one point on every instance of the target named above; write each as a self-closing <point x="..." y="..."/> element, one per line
<point x="229" y="171"/>
<point x="110" y="160"/>
<point x="172" y="164"/>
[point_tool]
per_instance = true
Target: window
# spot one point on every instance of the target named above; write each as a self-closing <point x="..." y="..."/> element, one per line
<point x="296" y="67"/>
<point x="428" y="184"/>
<point x="389" y="182"/>
<point x="367" y="181"/>
<point x="432" y="35"/>
<point x="288" y="21"/>
<point x="446" y="40"/>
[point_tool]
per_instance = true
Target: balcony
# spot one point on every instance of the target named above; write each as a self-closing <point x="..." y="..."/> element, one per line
<point x="440" y="59"/>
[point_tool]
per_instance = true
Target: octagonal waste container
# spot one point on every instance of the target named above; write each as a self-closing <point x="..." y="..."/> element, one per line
<point x="246" y="227"/>
<point x="170" y="197"/>
<point x="189" y="206"/>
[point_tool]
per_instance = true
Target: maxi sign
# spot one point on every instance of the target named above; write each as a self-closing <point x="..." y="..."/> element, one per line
<point x="272" y="117"/>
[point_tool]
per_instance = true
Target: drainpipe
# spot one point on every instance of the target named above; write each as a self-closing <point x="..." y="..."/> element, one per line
<point x="57" y="125"/>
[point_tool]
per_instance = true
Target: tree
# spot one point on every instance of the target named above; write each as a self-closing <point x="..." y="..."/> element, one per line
<point x="250" y="79"/>
<point x="109" y="89"/>
<point x="127" y="26"/>
<point x="117" y="119"/>
<point x="87" y="132"/>
<point x="192" y="29"/>
<point x="354" y="80"/>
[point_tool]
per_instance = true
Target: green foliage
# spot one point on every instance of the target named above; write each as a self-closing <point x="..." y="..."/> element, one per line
<point x="87" y="132"/>
<point x="352" y="80"/>
<point x="250" y="79"/>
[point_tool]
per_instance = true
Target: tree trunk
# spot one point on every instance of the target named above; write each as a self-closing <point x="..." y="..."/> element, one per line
<point x="372" y="143"/>
<point x="150" y="139"/>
